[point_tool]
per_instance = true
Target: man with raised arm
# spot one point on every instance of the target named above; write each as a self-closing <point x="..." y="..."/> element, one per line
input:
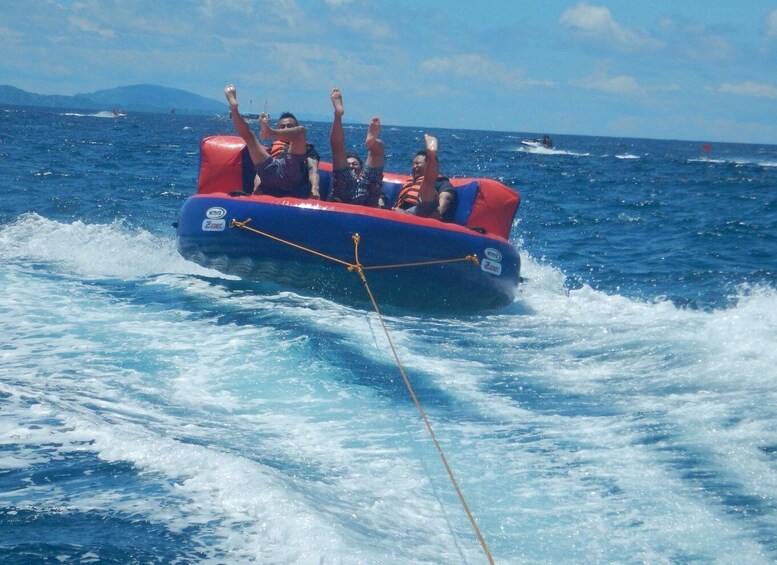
<point x="284" y="174"/>
<point x="352" y="181"/>
<point x="426" y="193"/>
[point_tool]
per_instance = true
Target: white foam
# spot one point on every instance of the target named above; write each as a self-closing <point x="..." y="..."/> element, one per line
<point x="93" y="250"/>
<point x="739" y="162"/>
<point x="125" y="382"/>
<point x="102" y="114"/>
<point x="548" y="151"/>
<point x="255" y="419"/>
<point x="705" y="160"/>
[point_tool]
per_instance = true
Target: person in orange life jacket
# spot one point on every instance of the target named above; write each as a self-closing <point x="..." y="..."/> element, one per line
<point x="279" y="176"/>
<point x="426" y="193"/>
<point x="352" y="181"/>
<point x="280" y="148"/>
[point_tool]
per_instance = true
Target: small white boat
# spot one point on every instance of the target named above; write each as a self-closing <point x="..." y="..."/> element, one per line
<point x="545" y="142"/>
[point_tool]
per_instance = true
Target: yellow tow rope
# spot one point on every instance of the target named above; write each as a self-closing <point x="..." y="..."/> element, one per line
<point x="359" y="268"/>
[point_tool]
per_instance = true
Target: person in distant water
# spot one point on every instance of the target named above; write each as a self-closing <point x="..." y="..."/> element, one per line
<point x="284" y="175"/>
<point x="427" y="193"/>
<point x="353" y="181"/>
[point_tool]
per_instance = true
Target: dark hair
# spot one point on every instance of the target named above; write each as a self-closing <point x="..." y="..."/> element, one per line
<point x="288" y="115"/>
<point x="355" y="156"/>
<point x="425" y="155"/>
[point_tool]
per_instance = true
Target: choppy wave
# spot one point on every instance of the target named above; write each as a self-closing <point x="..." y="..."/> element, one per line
<point x="103" y="114"/>
<point x="548" y="151"/>
<point x="735" y="161"/>
<point x="91" y="250"/>
<point x="275" y="427"/>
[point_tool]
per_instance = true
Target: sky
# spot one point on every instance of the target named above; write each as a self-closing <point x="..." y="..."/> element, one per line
<point x="701" y="70"/>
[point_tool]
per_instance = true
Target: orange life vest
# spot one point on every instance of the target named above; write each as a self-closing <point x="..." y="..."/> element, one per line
<point x="408" y="194"/>
<point x="278" y="148"/>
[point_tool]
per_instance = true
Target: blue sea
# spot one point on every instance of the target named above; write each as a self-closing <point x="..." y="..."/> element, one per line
<point x="622" y="410"/>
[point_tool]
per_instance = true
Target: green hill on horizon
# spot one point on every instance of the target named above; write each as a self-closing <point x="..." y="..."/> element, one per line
<point x="134" y="98"/>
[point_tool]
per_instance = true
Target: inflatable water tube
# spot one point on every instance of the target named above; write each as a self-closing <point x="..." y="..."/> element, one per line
<point x="331" y="249"/>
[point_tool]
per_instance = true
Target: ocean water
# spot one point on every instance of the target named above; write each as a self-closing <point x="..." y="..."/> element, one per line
<point x="622" y="410"/>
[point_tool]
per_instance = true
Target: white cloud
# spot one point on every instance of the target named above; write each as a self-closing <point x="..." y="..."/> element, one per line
<point x="771" y="24"/>
<point x="214" y="9"/>
<point x="359" y="25"/>
<point x="621" y="84"/>
<point x="9" y="36"/>
<point x="748" y="88"/>
<point x="480" y="68"/>
<point x="694" y="40"/>
<point x="83" y="24"/>
<point x="595" y="23"/>
<point x="711" y="47"/>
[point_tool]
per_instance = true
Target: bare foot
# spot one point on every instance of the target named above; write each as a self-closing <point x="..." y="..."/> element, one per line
<point x="431" y="144"/>
<point x="231" y="93"/>
<point x="264" y="122"/>
<point x="337" y="101"/>
<point x="373" y="131"/>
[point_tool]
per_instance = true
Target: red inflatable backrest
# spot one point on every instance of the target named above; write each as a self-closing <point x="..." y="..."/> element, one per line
<point x="221" y="164"/>
<point x="494" y="209"/>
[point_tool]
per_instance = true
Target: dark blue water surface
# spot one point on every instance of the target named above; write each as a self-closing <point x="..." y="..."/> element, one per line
<point x="622" y="410"/>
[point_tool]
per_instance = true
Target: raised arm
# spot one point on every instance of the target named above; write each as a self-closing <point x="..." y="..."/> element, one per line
<point x="314" y="179"/>
<point x="255" y="149"/>
<point x="427" y="192"/>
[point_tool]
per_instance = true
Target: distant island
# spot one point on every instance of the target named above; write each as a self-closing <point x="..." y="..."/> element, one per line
<point x="149" y="98"/>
